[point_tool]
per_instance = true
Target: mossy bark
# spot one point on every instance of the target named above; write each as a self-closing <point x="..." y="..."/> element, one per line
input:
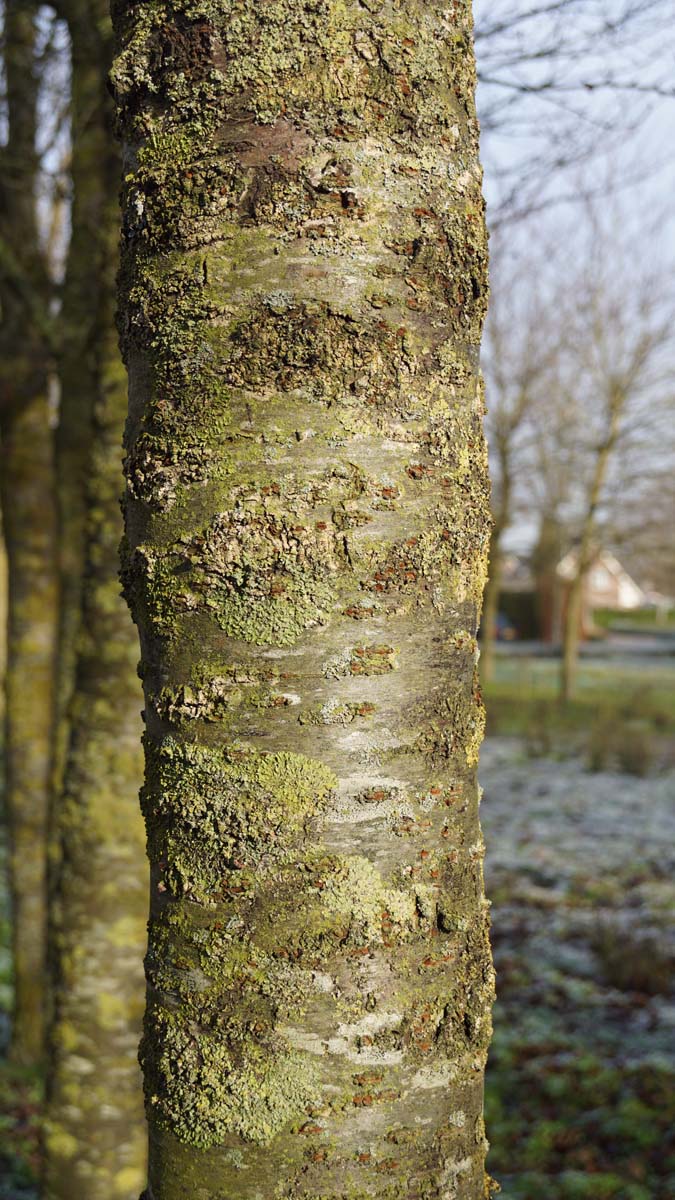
<point x="303" y="292"/>
<point x="95" y="1140"/>
<point x="500" y="523"/>
<point x="27" y="501"/>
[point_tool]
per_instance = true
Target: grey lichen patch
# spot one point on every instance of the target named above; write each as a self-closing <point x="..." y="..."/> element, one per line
<point x="335" y="358"/>
<point x="211" y="812"/>
<point x="336" y="712"/>
<point x="362" y="660"/>
<point x="220" y="695"/>
<point x="203" y="1092"/>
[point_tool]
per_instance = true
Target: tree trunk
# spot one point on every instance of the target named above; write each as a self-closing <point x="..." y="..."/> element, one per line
<point x="303" y="291"/>
<point x="96" y="1138"/>
<point x="91" y="179"/>
<point x="95" y="1144"/>
<point x="27" y="495"/>
<point x="27" y="501"/>
<point x="491" y="609"/>
<point x="572" y="617"/>
<point x="570" y="646"/>
<point x="501" y="522"/>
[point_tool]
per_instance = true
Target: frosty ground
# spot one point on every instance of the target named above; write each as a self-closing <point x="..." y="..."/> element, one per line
<point x="581" y="1080"/>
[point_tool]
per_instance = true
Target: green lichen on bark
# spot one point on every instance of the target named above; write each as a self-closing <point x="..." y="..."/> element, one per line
<point x="205" y="1096"/>
<point x="213" y="812"/>
<point x="303" y="290"/>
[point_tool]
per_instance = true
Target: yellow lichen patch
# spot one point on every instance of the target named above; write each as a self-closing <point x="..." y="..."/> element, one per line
<point x="358" y="893"/>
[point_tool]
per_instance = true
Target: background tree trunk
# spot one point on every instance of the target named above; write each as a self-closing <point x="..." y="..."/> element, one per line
<point x="92" y="175"/>
<point x="572" y="617"/>
<point x="571" y="634"/>
<point x="96" y="1136"/>
<point x="27" y="501"/>
<point x="27" y="485"/>
<point x="303" y="290"/>
<point x="491" y="611"/>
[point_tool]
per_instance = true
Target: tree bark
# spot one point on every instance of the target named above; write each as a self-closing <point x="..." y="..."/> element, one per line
<point x="27" y="501"/>
<point x="303" y="291"/>
<point x="95" y="1144"/>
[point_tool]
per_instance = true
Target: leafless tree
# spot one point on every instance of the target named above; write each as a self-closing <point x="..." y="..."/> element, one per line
<point x="520" y="349"/>
<point x="561" y="81"/>
<point x="605" y="420"/>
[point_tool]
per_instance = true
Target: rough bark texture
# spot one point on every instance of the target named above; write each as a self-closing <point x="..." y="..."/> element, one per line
<point x="95" y="1144"/>
<point x="303" y="291"/>
<point x="27" y="500"/>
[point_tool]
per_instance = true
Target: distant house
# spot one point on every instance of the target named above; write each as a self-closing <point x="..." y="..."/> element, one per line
<point x="607" y="583"/>
<point x="535" y="601"/>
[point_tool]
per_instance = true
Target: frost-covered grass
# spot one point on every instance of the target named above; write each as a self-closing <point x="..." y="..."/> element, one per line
<point x="581" y="1078"/>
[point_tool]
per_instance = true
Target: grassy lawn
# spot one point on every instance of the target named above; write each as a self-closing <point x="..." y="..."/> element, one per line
<point x="640" y="618"/>
<point x="623" y="715"/>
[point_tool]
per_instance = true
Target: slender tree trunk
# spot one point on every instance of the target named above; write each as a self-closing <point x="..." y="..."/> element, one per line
<point x="491" y="608"/>
<point x="80" y="326"/>
<point x="27" y="501"/>
<point x="3" y="630"/>
<point x="27" y="494"/>
<point x="570" y="646"/>
<point x="303" y="290"/>
<point x="502" y="519"/>
<point x="572" y="616"/>
<point x="96" y="1138"/>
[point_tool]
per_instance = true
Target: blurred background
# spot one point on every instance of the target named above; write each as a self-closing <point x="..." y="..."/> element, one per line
<point x="577" y="106"/>
<point x="578" y="638"/>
